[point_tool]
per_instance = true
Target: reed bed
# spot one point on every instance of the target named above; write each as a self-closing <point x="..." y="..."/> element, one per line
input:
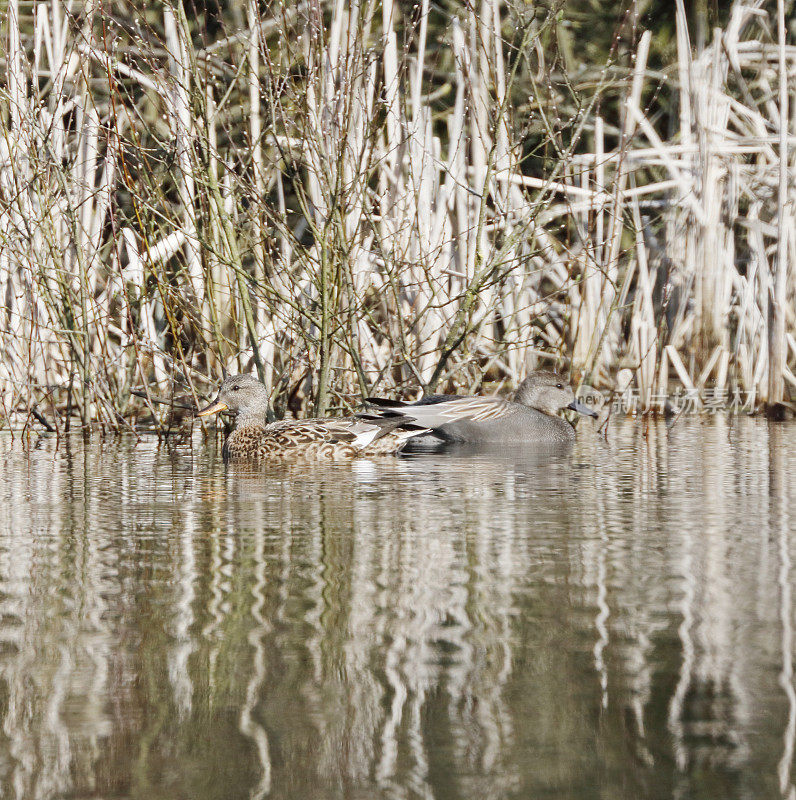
<point x="352" y="198"/>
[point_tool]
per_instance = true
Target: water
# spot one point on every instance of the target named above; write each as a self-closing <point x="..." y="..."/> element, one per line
<point x="617" y="623"/>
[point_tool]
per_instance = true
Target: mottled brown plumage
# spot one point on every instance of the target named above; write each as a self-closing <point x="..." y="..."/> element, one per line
<point x="301" y="440"/>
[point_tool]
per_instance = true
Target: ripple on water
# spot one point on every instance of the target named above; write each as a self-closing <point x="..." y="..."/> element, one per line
<point x="614" y="620"/>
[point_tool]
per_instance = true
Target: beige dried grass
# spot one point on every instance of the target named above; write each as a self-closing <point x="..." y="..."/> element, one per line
<point x="291" y="199"/>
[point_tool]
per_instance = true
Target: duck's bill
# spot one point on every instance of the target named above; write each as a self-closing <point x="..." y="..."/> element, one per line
<point x="213" y="408"/>
<point x="582" y="409"/>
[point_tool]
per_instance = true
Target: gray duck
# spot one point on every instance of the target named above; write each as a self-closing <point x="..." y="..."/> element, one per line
<point x="531" y="417"/>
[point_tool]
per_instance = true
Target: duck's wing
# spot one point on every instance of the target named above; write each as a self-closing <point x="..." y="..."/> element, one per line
<point x="439" y="410"/>
<point x="357" y="432"/>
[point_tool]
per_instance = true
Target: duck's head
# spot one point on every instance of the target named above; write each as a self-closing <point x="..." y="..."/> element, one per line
<point x="548" y="392"/>
<point x="242" y="396"/>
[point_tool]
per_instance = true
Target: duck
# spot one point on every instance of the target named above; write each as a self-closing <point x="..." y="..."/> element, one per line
<point x="330" y="439"/>
<point x="530" y="417"/>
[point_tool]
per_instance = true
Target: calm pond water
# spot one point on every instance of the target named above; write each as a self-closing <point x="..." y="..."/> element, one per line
<point x="616" y="622"/>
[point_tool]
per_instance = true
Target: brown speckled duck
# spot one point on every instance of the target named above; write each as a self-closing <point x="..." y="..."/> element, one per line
<point x="252" y="439"/>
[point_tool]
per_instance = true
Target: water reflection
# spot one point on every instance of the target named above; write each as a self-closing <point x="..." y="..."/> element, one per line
<point x="611" y="621"/>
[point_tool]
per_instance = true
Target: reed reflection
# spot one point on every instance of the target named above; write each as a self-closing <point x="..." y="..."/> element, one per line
<point x="612" y="618"/>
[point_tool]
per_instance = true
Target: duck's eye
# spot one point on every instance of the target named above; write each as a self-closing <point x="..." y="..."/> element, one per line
<point x="559" y="386"/>
<point x="235" y="388"/>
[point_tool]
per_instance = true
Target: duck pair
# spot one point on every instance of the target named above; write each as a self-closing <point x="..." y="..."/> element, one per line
<point x="527" y="419"/>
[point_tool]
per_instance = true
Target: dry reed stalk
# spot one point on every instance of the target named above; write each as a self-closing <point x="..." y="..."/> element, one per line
<point x="604" y="316"/>
<point x="178" y="90"/>
<point x="776" y="341"/>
